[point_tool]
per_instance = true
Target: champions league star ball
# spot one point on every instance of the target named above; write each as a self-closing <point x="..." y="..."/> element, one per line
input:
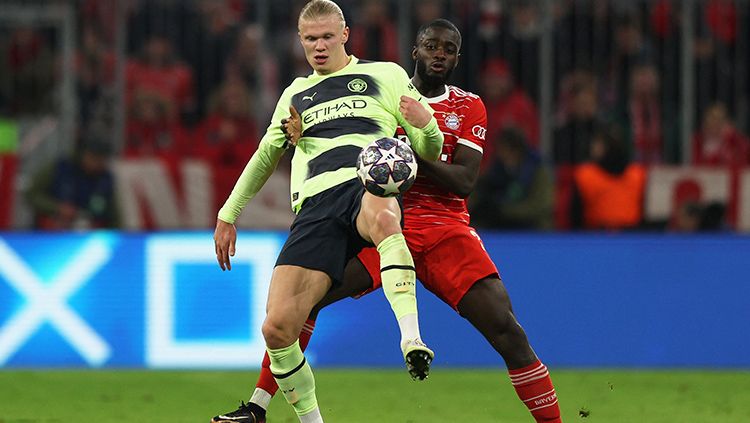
<point x="387" y="167"/>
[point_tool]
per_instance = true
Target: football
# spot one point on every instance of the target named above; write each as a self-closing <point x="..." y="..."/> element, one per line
<point x="387" y="167"/>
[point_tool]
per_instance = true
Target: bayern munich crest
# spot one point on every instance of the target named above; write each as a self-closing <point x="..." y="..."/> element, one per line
<point x="452" y="121"/>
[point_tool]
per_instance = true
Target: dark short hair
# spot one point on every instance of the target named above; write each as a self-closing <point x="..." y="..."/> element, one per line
<point x="438" y="23"/>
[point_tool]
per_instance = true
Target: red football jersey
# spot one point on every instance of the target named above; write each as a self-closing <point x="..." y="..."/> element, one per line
<point x="463" y="119"/>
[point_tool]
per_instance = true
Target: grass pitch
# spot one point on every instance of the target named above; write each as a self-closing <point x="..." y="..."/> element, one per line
<point x="354" y="396"/>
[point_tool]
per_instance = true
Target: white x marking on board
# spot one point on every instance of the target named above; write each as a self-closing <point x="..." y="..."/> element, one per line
<point x="48" y="302"/>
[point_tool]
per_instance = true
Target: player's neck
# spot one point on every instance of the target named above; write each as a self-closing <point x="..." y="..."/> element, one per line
<point x="343" y="63"/>
<point x="428" y="89"/>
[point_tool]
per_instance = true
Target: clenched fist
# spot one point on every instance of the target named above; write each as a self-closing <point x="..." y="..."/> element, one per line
<point x="414" y="112"/>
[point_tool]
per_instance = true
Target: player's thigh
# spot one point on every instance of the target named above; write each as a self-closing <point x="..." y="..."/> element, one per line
<point x="294" y="291"/>
<point x="323" y="236"/>
<point x="452" y="261"/>
<point x="357" y="281"/>
<point x="487" y="305"/>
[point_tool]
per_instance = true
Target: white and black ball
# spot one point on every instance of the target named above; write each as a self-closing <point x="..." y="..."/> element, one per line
<point x="387" y="167"/>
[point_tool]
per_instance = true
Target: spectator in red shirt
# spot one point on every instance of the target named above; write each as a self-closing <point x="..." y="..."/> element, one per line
<point x="721" y="18"/>
<point x="508" y="106"/>
<point x="375" y="37"/>
<point x="228" y="135"/>
<point x="718" y="142"/>
<point x="27" y="72"/>
<point x="158" y="71"/>
<point x="150" y="132"/>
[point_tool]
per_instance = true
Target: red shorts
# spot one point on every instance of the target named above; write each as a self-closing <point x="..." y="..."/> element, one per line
<point x="449" y="261"/>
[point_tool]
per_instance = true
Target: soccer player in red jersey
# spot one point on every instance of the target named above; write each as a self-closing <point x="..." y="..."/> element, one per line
<point x="449" y="256"/>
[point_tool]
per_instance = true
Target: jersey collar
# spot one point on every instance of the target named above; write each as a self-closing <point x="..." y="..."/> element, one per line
<point x="439" y="98"/>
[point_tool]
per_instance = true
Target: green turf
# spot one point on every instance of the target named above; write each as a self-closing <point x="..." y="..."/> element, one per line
<point x="352" y="396"/>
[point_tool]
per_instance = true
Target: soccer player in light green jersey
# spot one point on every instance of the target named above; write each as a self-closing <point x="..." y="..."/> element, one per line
<point x="343" y="105"/>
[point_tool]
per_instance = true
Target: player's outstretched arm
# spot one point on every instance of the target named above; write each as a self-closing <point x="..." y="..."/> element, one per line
<point x="253" y="177"/>
<point x="279" y="135"/>
<point x="283" y="131"/>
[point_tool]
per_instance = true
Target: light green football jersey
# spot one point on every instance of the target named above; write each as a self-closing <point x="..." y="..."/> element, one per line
<point x="341" y="113"/>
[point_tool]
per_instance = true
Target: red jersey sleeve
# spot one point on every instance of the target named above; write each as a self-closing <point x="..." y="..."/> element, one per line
<point x="474" y="128"/>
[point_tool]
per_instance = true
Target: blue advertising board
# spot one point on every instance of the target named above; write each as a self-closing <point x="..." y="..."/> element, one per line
<point x="108" y="299"/>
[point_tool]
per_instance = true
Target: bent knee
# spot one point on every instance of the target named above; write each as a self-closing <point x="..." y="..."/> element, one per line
<point x="277" y="334"/>
<point x="386" y="222"/>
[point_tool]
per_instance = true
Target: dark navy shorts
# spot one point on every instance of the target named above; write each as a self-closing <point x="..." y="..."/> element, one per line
<point x="324" y="234"/>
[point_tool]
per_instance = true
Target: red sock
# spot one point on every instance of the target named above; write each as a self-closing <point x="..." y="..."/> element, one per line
<point x="534" y="387"/>
<point x="266" y="381"/>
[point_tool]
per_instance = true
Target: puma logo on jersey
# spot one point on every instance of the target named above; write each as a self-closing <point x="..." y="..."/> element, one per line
<point x="310" y="97"/>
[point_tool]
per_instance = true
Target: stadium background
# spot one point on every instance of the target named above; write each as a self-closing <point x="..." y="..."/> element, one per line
<point x="140" y="290"/>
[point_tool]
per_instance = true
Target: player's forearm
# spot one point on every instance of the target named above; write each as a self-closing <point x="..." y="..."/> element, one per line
<point x="253" y="177"/>
<point x="429" y="142"/>
<point x="455" y="178"/>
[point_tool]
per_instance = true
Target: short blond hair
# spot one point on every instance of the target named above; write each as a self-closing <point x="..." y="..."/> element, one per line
<point x="321" y="8"/>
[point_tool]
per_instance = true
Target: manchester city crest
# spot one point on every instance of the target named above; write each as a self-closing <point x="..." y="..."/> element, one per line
<point x="357" y="85"/>
<point x="452" y="121"/>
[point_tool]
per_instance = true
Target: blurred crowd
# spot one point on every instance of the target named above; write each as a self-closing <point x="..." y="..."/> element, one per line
<point x="201" y="78"/>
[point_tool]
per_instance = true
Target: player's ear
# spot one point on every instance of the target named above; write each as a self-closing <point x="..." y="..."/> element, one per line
<point x="414" y="53"/>
<point x="345" y="35"/>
